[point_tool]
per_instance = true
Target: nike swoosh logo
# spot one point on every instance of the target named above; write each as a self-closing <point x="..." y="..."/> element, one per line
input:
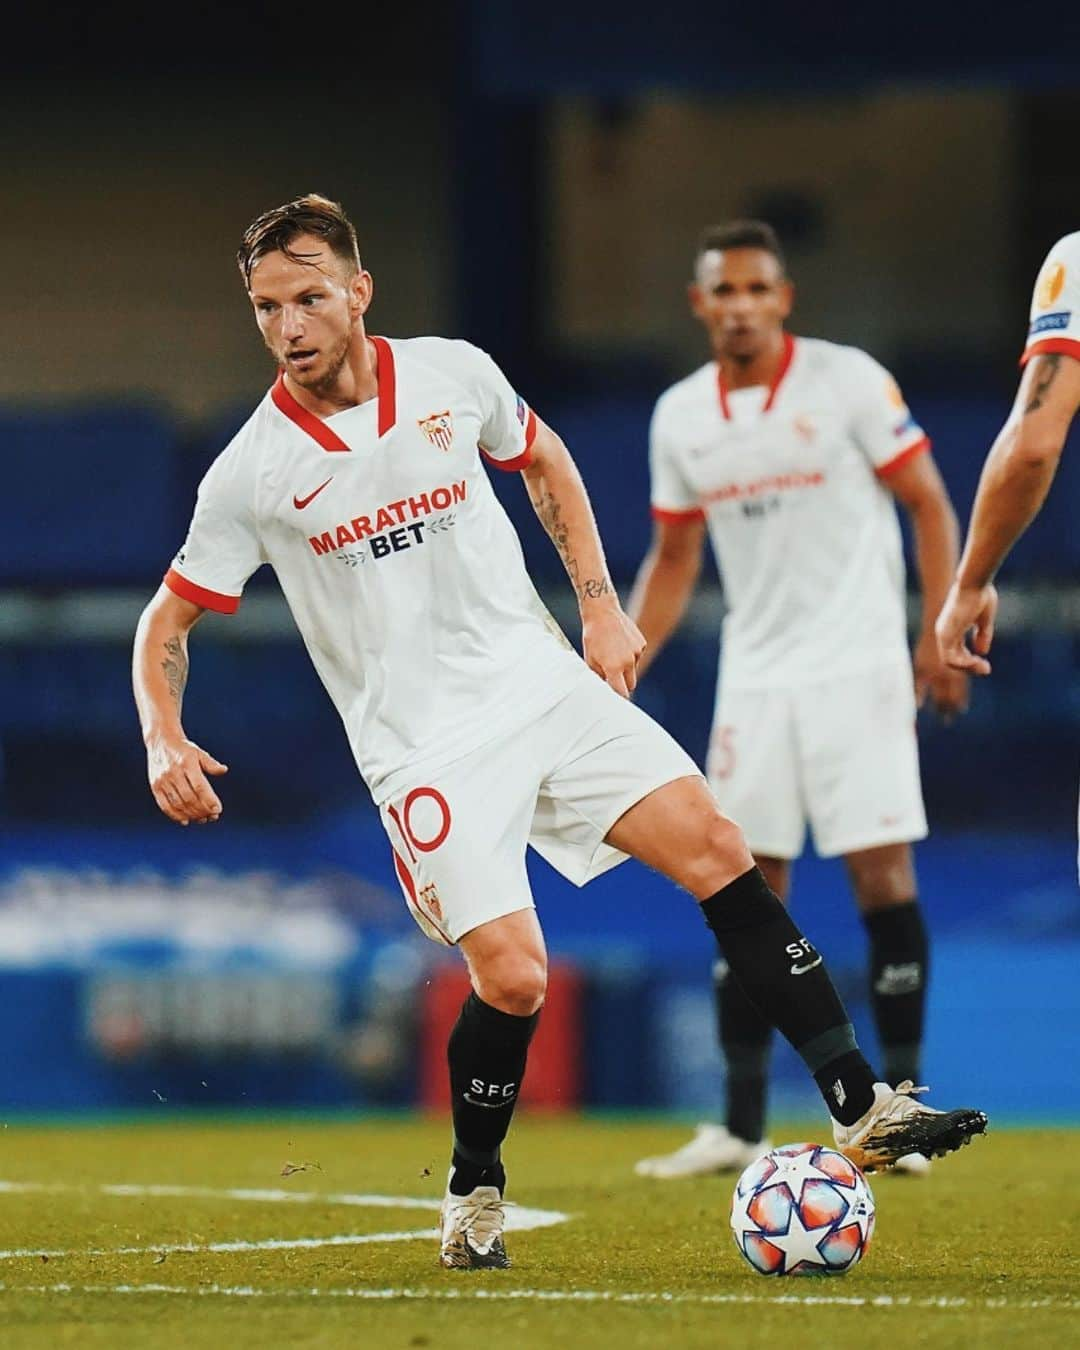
<point x="491" y="1106"/>
<point x="301" y="502"/>
<point x="801" y="970"/>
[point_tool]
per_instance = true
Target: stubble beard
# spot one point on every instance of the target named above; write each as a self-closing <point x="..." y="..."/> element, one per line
<point x="312" y="381"/>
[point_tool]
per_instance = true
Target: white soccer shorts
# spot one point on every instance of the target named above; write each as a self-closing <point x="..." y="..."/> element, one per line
<point x="560" y="785"/>
<point x="842" y="755"/>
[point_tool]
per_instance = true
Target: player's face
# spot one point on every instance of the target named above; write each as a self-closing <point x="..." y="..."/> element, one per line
<point x="742" y="297"/>
<point x="308" y="312"/>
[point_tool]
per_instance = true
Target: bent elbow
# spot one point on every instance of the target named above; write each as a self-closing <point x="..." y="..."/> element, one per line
<point x="1036" y="455"/>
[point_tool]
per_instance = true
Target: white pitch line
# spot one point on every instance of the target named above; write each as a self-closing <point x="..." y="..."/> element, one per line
<point x="238" y="1245"/>
<point x="560" y="1296"/>
<point x="262" y="1196"/>
<point x="519" y="1218"/>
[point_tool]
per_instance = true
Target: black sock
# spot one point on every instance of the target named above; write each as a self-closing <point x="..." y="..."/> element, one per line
<point x="746" y="1039"/>
<point x="486" y="1054"/>
<point x="898" y="971"/>
<point x="786" y="978"/>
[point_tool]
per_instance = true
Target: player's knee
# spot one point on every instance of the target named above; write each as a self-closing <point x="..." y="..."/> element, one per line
<point x="722" y="856"/>
<point x="881" y="879"/>
<point x="516" y="985"/>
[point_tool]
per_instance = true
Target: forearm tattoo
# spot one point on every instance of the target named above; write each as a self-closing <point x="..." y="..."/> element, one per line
<point x="1047" y="374"/>
<point x="175" y="667"/>
<point x="550" y="513"/>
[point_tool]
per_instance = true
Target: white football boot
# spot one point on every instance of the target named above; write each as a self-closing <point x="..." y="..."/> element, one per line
<point x="897" y="1125"/>
<point x="712" y="1149"/>
<point x="471" y="1230"/>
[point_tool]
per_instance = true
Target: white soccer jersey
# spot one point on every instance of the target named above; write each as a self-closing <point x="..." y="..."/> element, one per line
<point x="806" y="535"/>
<point x="402" y="571"/>
<point x="1055" y="305"/>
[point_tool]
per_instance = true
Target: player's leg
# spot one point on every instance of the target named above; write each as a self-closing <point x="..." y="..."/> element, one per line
<point x="490" y="1041"/>
<point x="746" y="1035"/>
<point x="745" y="1038"/>
<point x="883" y="880"/>
<point x="617" y="784"/>
<point x="753" y="771"/>
<point x="459" y="847"/>
<point x="679" y="830"/>
<point x="864" y="797"/>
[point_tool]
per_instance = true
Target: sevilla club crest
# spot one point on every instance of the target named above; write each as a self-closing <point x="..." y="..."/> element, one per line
<point x="439" y="429"/>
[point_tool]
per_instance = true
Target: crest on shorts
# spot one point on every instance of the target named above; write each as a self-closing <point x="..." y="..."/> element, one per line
<point x="429" y="897"/>
<point x="438" y="428"/>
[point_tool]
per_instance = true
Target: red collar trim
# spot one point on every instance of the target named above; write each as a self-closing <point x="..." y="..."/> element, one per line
<point x="785" y="364"/>
<point x="386" y="375"/>
<point x="316" y="428"/>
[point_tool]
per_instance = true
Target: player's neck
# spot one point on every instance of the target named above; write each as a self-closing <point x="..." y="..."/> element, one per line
<point x="355" y="383"/>
<point x="762" y="368"/>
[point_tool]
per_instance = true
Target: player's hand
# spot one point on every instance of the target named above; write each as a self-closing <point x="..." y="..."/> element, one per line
<point x="945" y="688"/>
<point x="967" y="610"/>
<point x="177" y="769"/>
<point x="611" y="643"/>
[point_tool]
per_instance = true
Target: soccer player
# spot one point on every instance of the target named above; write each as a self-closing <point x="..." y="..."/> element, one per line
<point x="477" y="728"/>
<point x="790" y="453"/>
<point x="1022" y="461"/>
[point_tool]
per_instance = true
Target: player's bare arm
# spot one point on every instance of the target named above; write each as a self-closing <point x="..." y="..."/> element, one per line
<point x="665" y="583"/>
<point x="611" y="643"/>
<point x="1015" y="480"/>
<point x="918" y="486"/>
<point x="177" y="768"/>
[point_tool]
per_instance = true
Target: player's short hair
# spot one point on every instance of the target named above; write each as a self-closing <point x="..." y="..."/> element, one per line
<point x="740" y="234"/>
<point x="274" y="232"/>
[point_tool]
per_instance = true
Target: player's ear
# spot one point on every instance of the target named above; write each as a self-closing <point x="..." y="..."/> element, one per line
<point x="787" y="297"/>
<point x="361" y="290"/>
<point x="695" y="299"/>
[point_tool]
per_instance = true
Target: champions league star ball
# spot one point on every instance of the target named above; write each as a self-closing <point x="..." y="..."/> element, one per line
<point x="802" y="1210"/>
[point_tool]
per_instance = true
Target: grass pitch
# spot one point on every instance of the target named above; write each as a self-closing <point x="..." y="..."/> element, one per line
<point x="188" y="1234"/>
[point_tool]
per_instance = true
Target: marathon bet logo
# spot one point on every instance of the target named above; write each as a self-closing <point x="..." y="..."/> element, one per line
<point x="395" y="526"/>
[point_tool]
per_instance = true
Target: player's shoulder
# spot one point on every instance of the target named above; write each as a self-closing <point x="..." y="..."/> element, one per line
<point x="247" y="447"/>
<point x="687" y="391"/>
<point x="1059" y="274"/>
<point x="453" y="357"/>
<point x="851" y="372"/>
<point x="1067" y="248"/>
<point x="820" y="356"/>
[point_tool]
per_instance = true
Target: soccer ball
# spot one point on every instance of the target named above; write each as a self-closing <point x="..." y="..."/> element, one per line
<point x="803" y="1209"/>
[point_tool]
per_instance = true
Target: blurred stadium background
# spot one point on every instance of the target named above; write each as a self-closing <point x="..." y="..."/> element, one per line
<point x="532" y="178"/>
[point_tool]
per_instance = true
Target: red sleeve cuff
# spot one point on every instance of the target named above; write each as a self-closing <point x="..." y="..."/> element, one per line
<point x="920" y="447"/>
<point x="521" y="461"/>
<point x="199" y="595"/>
<point x="677" y="517"/>
<point x="1064" y="346"/>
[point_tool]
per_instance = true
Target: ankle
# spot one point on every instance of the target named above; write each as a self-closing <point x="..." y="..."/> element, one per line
<point x="465" y="1176"/>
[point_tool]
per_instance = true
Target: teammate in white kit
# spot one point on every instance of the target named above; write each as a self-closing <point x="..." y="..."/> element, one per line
<point x="790" y="453"/>
<point x="1022" y="461"/>
<point x="476" y="727"/>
